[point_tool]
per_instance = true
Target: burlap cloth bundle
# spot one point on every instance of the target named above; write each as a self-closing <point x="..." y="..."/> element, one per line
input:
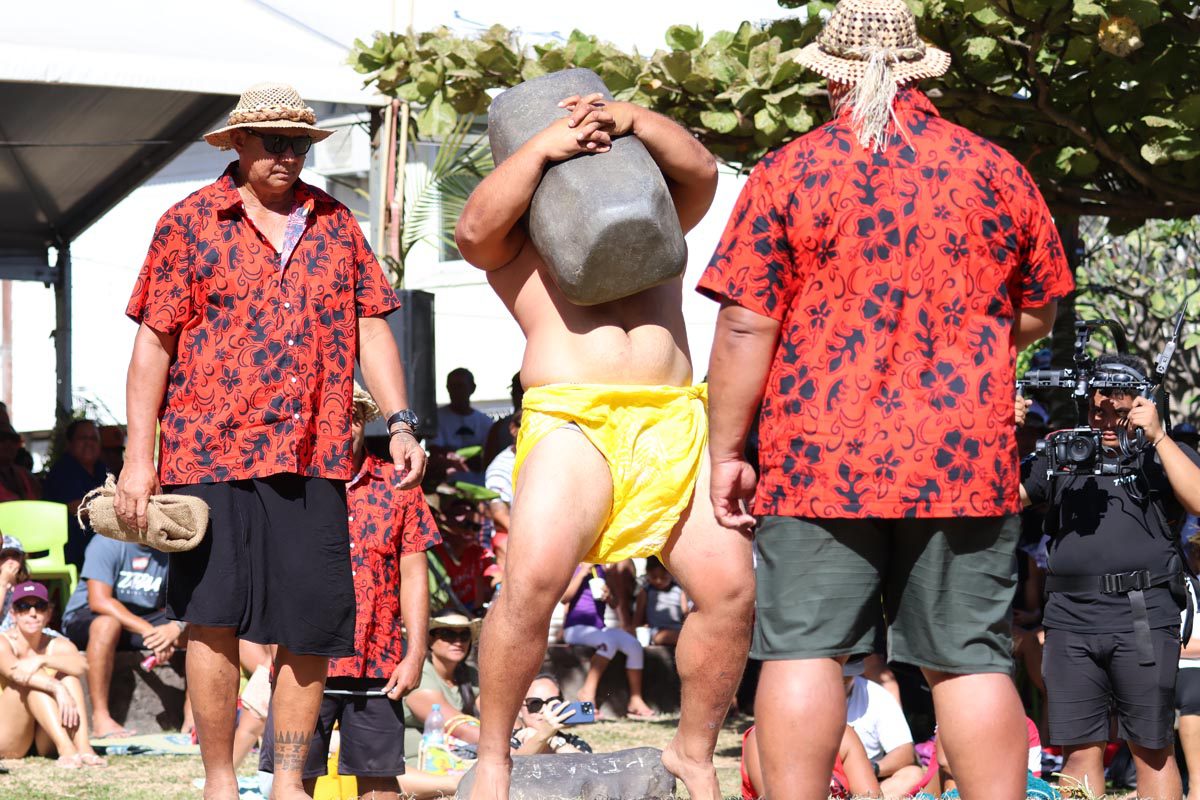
<point x="174" y="522"/>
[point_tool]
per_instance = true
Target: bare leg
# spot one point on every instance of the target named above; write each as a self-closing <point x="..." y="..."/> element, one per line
<point x="1085" y="763"/>
<point x="981" y="724"/>
<point x="637" y="703"/>
<point x="295" y="703"/>
<point x="103" y="634"/>
<point x="563" y="495"/>
<point x="1157" y="773"/>
<point x="16" y="723"/>
<point x="800" y="712"/>
<point x="45" y="712"/>
<point x="902" y="782"/>
<point x="713" y="565"/>
<point x="418" y="785"/>
<point x="81" y="734"/>
<point x="212" y="677"/>
<point x="621" y="578"/>
<point x="1189" y="739"/>
<point x="250" y="729"/>
<point x="591" y="683"/>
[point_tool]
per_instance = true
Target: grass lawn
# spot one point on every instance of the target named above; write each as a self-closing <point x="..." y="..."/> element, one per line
<point x="170" y="777"/>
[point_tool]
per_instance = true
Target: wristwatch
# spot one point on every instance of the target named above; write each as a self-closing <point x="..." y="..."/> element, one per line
<point x="406" y="417"/>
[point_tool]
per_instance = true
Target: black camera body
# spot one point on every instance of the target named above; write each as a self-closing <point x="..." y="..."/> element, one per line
<point x="1078" y="451"/>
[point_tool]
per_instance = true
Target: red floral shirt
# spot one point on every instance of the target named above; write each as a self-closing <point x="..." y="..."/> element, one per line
<point x="473" y="562"/>
<point x="896" y="278"/>
<point x="262" y="377"/>
<point x="386" y="524"/>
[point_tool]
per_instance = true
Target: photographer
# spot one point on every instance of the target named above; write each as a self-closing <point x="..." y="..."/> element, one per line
<point x="1115" y="586"/>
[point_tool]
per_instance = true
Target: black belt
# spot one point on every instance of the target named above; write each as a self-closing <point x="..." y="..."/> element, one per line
<point x="1132" y="584"/>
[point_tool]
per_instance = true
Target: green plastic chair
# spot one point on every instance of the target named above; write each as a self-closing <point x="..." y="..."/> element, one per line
<point x="42" y="528"/>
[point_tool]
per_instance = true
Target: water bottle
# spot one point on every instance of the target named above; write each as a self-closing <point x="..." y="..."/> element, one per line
<point x="435" y="725"/>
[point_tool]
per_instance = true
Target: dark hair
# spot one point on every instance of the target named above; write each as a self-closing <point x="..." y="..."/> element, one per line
<point x="545" y="676"/>
<point x="76" y="424"/>
<point x="1135" y="363"/>
<point x="653" y="562"/>
<point x="461" y="371"/>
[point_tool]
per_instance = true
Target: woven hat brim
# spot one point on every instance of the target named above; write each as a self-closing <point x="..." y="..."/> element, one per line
<point x="933" y="64"/>
<point x="220" y="137"/>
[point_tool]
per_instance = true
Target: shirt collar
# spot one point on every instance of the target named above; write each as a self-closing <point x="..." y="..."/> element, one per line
<point x="372" y="466"/>
<point x="228" y="198"/>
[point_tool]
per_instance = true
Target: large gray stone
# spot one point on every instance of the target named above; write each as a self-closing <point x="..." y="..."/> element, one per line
<point x="148" y="702"/>
<point x="636" y="774"/>
<point x="604" y="223"/>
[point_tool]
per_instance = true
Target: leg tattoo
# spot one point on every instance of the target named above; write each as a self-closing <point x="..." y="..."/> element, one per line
<point x="291" y="748"/>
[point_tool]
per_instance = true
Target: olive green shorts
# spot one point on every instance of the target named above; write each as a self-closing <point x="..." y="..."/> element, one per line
<point x="946" y="586"/>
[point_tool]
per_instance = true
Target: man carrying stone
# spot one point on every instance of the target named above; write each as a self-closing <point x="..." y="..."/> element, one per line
<point x="876" y="279"/>
<point x="600" y="379"/>
<point x="256" y="296"/>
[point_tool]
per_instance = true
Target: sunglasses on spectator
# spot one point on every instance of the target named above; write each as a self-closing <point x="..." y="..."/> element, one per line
<point x="536" y="704"/>
<point x="277" y="144"/>
<point x="451" y="635"/>
<point x="25" y="606"/>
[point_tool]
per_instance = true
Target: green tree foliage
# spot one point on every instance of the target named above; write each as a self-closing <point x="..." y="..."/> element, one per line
<point x="1100" y="98"/>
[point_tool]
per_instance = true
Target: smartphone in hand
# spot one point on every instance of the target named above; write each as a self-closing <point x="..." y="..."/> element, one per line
<point x="582" y="713"/>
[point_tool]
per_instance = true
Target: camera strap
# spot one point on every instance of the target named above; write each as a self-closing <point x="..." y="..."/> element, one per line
<point x="1130" y="584"/>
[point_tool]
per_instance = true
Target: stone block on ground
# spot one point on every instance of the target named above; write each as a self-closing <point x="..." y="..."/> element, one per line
<point x="605" y="223"/>
<point x="636" y="774"/>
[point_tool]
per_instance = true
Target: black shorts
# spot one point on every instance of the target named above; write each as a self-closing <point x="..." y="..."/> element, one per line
<point x="1088" y="674"/>
<point x="372" y="733"/>
<point x="79" y="625"/>
<point x="1187" y="691"/>
<point x="275" y="564"/>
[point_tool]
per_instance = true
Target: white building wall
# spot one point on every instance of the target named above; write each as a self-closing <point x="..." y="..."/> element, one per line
<point x="472" y="328"/>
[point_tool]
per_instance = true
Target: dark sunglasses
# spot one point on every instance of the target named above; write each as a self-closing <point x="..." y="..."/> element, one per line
<point x="451" y="635"/>
<point x="22" y="606"/>
<point x="277" y="144"/>
<point x="536" y="704"/>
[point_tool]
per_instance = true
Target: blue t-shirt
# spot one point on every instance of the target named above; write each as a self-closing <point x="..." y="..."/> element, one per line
<point x="138" y="575"/>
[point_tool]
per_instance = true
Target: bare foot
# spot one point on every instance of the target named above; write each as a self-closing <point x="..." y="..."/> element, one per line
<point x="92" y="760"/>
<point x="109" y="728"/>
<point x="491" y="780"/>
<point x="637" y="708"/>
<point x="69" y="762"/>
<point x="700" y="777"/>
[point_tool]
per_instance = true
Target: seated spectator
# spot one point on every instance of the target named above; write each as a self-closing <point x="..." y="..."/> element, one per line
<point x="584" y="625"/>
<point x="41" y="698"/>
<point x="460" y="425"/>
<point x="498" y="478"/>
<point x="13" y="571"/>
<point x="466" y="561"/>
<point x="661" y="604"/>
<point x="120" y="602"/>
<point x="853" y="774"/>
<point x="540" y="726"/>
<point x="881" y="727"/>
<point x="76" y="472"/>
<point x="16" y="481"/>
<point x="450" y="682"/>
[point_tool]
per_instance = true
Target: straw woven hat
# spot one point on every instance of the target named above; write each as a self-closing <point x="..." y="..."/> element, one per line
<point x="268" y="105"/>
<point x="860" y="30"/>
<point x="364" y="406"/>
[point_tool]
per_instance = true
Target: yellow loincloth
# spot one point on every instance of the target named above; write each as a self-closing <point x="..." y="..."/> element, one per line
<point x="652" y="437"/>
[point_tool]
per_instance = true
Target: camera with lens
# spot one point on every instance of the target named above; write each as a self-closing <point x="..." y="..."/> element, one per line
<point x="1079" y="450"/>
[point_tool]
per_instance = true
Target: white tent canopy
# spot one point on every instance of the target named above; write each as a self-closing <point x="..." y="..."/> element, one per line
<point x="96" y="97"/>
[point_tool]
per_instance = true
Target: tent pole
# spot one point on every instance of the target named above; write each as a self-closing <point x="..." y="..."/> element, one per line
<point x="62" y="331"/>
